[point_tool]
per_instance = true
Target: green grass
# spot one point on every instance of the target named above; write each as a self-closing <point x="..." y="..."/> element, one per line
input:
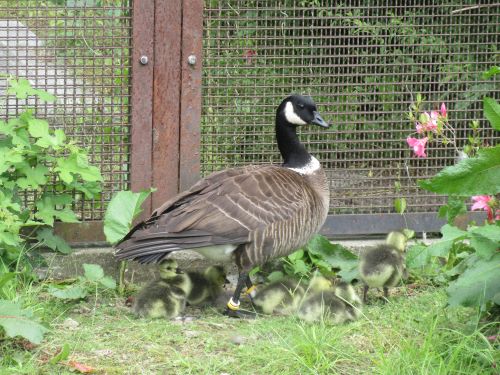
<point x="413" y="334"/>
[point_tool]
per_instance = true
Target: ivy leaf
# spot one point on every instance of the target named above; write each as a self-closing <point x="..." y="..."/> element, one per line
<point x="93" y="272"/>
<point x="494" y="70"/>
<point x="72" y="292"/>
<point x="478" y="284"/>
<point x="474" y="176"/>
<point x="90" y="189"/>
<point x="56" y="141"/>
<point x="44" y="95"/>
<point x="486" y="240"/>
<point x="121" y="212"/>
<point x="47" y="237"/>
<point x="47" y="209"/>
<point x="38" y="128"/>
<point x="35" y="176"/>
<point x="19" y="322"/>
<point x="77" y="164"/>
<point x="20" y="87"/>
<point x="492" y="112"/>
<point x="400" y="205"/>
<point x="8" y="157"/>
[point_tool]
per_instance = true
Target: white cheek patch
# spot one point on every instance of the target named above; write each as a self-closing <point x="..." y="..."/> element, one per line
<point x="291" y="116"/>
<point x="309" y="168"/>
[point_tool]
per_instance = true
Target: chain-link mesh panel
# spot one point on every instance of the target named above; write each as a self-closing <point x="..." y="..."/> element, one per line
<point x="79" y="51"/>
<point x="364" y="63"/>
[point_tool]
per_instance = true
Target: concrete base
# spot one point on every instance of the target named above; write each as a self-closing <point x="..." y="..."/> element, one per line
<point x="69" y="266"/>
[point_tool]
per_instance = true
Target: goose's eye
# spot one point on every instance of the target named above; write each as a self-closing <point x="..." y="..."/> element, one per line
<point x="301" y="106"/>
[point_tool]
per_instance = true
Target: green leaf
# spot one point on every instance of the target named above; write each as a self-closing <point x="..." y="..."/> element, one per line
<point x="494" y="70"/>
<point x="275" y="276"/>
<point x="35" y="176"/>
<point x="108" y="282"/>
<point x="400" y="205"/>
<point x="38" y="128"/>
<point x="44" y="96"/>
<point x="121" y="211"/>
<point x="61" y="356"/>
<point x="442" y="247"/>
<point x="486" y="240"/>
<point x="478" y="284"/>
<point x="417" y="256"/>
<point x="93" y="272"/>
<point x="47" y="209"/>
<point x="300" y="267"/>
<point x="454" y="207"/>
<point x="52" y="241"/>
<point x="296" y="255"/>
<point x="474" y="176"/>
<point x="71" y="292"/>
<point x="492" y="112"/>
<point x="20" y="87"/>
<point x="18" y="322"/>
<point x="77" y="164"/>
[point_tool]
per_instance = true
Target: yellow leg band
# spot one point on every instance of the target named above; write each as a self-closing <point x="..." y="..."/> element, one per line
<point x="233" y="306"/>
<point x="251" y="291"/>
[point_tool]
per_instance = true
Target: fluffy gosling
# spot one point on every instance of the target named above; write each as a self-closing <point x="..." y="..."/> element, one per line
<point x="166" y="297"/>
<point x="206" y="286"/>
<point x="280" y="297"/>
<point x="383" y="266"/>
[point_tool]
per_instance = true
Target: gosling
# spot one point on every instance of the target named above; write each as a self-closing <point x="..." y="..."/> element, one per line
<point x="327" y="303"/>
<point x="383" y="266"/>
<point x="280" y="297"/>
<point x="164" y="298"/>
<point x="206" y="286"/>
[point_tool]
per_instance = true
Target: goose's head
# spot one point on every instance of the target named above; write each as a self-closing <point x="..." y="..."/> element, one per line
<point x="169" y="269"/>
<point x="216" y="275"/>
<point x="298" y="110"/>
<point x="397" y="240"/>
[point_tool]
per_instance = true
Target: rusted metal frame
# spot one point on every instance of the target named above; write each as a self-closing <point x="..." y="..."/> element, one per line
<point x="349" y="225"/>
<point x="142" y="101"/>
<point x="190" y="113"/>
<point x="166" y="99"/>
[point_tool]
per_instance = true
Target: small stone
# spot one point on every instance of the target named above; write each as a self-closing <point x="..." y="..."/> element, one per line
<point x="103" y="352"/>
<point x="70" y="324"/>
<point x="238" y="340"/>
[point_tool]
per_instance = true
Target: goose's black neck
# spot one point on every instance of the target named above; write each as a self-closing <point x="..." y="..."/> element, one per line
<point x="293" y="152"/>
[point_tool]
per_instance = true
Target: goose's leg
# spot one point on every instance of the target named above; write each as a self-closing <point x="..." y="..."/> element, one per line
<point x="233" y="306"/>
<point x="251" y="289"/>
<point x="365" y="294"/>
<point x="386" y="294"/>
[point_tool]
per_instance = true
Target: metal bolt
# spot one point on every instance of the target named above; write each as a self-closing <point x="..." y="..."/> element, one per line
<point x="144" y="60"/>
<point x="191" y="59"/>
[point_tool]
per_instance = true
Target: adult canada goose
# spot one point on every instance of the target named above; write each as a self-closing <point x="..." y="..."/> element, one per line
<point x="281" y="297"/>
<point x="383" y="266"/>
<point x="324" y="301"/>
<point x="166" y="297"/>
<point x="206" y="286"/>
<point x="249" y="214"/>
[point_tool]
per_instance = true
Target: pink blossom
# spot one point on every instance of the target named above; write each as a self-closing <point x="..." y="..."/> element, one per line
<point x="443" y="110"/>
<point x="418" y="146"/>
<point x="429" y="123"/>
<point x="482" y="202"/>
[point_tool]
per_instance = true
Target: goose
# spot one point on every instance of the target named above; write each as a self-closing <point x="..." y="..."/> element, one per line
<point x="166" y="297"/>
<point x="324" y="301"/>
<point x="346" y="292"/>
<point x="247" y="215"/>
<point x="383" y="266"/>
<point x="206" y="286"/>
<point x="281" y="297"/>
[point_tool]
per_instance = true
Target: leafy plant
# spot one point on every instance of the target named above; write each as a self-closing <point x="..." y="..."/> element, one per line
<point x="318" y="255"/>
<point x="123" y="208"/>
<point x="20" y="322"/>
<point x="39" y="167"/>
<point x="92" y="279"/>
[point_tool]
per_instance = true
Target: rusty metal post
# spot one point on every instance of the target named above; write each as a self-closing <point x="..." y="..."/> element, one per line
<point x="191" y="63"/>
<point x="142" y="100"/>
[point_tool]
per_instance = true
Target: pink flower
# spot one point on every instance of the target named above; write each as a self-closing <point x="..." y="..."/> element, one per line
<point x="443" y="110"/>
<point x="429" y="123"/>
<point x="481" y="202"/>
<point x="418" y="146"/>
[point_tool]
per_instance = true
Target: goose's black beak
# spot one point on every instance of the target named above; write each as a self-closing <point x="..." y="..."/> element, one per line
<point x="318" y="120"/>
<point x="178" y="271"/>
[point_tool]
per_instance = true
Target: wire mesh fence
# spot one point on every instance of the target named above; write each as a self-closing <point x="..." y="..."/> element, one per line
<point x="79" y="51"/>
<point x="363" y="62"/>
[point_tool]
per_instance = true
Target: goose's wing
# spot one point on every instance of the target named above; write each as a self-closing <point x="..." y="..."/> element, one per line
<point x="224" y="208"/>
